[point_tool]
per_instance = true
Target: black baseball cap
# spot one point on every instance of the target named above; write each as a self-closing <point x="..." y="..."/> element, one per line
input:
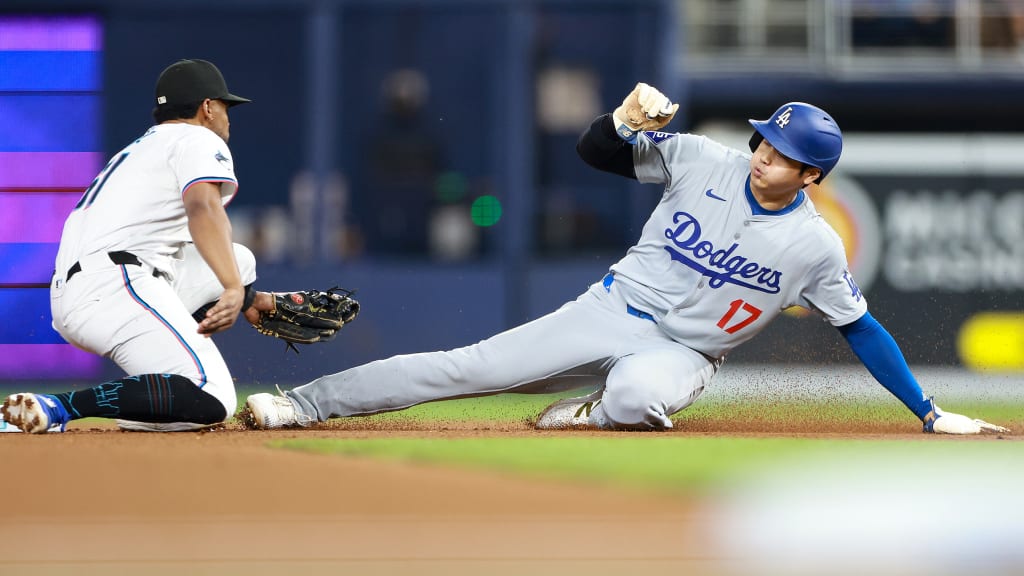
<point x="191" y="81"/>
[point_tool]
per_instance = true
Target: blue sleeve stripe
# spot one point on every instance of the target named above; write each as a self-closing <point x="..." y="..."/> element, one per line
<point x="207" y="179"/>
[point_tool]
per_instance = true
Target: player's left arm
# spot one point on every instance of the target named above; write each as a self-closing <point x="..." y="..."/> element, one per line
<point x="210" y="228"/>
<point x="880" y="354"/>
<point x="830" y="288"/>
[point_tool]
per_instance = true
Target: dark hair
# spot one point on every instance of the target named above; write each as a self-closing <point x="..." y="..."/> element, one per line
<point x="167" y="112"/>
<point x="806" y="167"/>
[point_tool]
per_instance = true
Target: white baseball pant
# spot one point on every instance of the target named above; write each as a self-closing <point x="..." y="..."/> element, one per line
<point x="142" y="321"/>
<point x="590" y="342"/>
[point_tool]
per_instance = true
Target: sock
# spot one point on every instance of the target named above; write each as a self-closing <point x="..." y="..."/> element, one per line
<point x="154" y="398"/>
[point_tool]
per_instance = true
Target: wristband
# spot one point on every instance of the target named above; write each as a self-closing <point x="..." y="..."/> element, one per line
<point x="624" y="130"/>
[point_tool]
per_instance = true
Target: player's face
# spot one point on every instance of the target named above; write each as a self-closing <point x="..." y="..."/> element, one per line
<point x="773" y="174"/>
<point x="216" y="119"/>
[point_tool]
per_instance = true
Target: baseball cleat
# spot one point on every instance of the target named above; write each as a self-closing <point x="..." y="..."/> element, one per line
<point x="35" y="413"/>
<point x="568" y="413"/>
<point x="269" y="411"/>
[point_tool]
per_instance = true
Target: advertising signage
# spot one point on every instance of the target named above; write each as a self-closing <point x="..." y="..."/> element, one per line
<point x="933" y="227"/>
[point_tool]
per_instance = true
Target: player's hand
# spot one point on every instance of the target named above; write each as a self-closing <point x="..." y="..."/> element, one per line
<point x="224" y="313"/>
<point x="645" y="108"/>
<point x="942" y="422"/>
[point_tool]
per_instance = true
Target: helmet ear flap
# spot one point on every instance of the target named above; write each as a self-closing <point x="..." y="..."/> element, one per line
<point x="755" y="140"/>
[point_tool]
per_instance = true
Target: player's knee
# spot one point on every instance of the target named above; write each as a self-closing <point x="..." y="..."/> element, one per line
<point x="218" y="390"/>
<point x="208" y="409"/>
<point x="633" y="407"/>
<point x="195" y="404"/>
<point x="225" y="399"/>
<point x="228" y="406"/>
<point x="246" y="261"/>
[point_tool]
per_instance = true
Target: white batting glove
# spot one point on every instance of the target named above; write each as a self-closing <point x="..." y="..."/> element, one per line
<point x="645" y="108"/>
<point x="941" y="422"/>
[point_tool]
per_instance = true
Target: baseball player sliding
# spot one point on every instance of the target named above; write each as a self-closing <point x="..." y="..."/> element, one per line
<point x="733" y="242"/>
<point x="146" y="272"/>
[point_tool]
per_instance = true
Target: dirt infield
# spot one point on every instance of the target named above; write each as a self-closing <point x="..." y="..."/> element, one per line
<point x="96" y="500"/>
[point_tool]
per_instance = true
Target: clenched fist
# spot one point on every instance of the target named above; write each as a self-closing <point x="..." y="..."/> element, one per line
<point x="645" y="108"/>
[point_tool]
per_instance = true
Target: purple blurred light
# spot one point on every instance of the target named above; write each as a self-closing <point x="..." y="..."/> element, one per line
<point x="48" y="169"/>
<point x="51" y="33"/>
<point x="47" y="361"/>
<point x="34" y="217"/>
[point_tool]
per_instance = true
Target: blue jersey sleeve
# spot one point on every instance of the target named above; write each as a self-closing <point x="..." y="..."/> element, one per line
<point x="880" y="354"/>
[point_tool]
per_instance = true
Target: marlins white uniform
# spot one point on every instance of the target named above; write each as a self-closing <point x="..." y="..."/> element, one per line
<point x="127" y="278"/>
<point x="712" y="269"/>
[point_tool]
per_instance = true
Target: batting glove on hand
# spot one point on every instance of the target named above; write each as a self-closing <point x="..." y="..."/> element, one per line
<point x="644" y="109"/>
<point x="940" y="422"/>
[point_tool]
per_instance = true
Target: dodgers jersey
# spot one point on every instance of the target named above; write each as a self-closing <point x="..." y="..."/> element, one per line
<point x="136" y="202"/>
<point x="712" y="266"/>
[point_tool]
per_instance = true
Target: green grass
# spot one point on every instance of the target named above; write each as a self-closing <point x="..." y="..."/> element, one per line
<point x="832" y="411"/>
<point x="676" y="464"/>
<point x="521" y="407"/>
<point x="644" y="461"/>
<point x="681" y="465"/>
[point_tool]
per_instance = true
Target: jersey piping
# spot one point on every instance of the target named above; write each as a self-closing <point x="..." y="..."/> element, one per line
<point x="220" y="179"/>
<point x="135" y="296"/>
<point x="757" y="210"/>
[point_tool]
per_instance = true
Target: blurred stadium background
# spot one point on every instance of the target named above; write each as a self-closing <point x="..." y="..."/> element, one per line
<point x="423" y="153"/>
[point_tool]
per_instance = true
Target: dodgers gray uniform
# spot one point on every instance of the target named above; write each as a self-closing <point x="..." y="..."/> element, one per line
<point x="711" y="269"/>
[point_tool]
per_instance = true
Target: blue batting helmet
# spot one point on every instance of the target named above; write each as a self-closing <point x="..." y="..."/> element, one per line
<point x="802" y="132"/>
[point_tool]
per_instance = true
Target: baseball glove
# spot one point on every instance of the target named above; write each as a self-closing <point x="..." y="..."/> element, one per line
<point x="644" y="109"/>
<point x="309" y="316"/>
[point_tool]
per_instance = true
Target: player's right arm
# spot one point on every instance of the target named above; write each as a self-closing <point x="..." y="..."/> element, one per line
<point x="601" y="146"/>
<point x="608" y="144"/>
<point x="210" y="228"/>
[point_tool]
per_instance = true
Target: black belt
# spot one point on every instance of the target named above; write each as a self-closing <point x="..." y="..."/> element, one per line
<point x="120" y="258"/>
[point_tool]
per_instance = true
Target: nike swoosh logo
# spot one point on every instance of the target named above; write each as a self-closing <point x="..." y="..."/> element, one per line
<point x="711" y="194"/>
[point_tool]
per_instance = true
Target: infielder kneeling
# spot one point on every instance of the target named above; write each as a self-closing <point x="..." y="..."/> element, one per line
<point x="733" y="242"/>
<point x="146" y="272"/>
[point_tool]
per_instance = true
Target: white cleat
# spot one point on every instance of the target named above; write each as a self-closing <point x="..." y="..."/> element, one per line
<point x="269" y="411"/>
<point x="566" y="414"/>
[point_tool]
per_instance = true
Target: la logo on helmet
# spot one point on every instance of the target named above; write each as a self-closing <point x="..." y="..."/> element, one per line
<point x="783" y="118"/>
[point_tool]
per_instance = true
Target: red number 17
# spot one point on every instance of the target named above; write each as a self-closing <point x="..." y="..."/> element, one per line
<point x="734" y="307"/>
